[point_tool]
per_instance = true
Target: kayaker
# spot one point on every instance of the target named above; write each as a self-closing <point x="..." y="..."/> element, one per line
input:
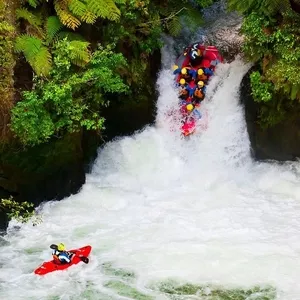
<point x="60" y="254"/>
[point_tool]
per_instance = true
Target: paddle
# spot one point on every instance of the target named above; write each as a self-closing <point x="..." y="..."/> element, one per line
<point x="82" y="258"/>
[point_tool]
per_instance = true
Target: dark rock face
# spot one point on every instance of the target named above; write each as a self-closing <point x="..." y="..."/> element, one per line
<point x="280" y="142"/>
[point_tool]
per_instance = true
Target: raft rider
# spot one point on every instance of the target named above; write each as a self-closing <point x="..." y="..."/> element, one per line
<point x="185" y="91"/>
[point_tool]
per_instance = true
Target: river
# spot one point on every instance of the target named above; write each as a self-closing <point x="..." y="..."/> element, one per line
<point x="170" y="218"/>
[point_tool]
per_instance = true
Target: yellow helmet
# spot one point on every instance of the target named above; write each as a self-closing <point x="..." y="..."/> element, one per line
<point x="190" y="107"/>
<point x="201" y="83"/>
<point x="175" y="67"/>
<point x="61" y="247"/>
<point x="182" y="81"/>
<point x="200" y="72"/>
<point x="183" y="71"/>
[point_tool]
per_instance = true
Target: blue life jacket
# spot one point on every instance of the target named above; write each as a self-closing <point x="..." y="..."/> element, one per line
<point x="62" y="256"/>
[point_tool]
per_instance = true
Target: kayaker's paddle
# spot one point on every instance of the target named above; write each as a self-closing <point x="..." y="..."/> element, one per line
<point x="82" y="258"/>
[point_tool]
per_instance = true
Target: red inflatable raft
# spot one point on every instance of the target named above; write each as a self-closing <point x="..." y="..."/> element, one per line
<point x="80" y="254"/>
<point x="211" y="57"/>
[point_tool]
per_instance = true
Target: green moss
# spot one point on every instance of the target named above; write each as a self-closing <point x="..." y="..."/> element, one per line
<point x="7" y="63"/>
<point x="126" y="290"/>
<point x="210" y="292"/>
<point x="124" y="274"/>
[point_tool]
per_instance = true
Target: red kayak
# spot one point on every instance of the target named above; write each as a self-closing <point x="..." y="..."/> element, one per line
<point x="80" y="254"/>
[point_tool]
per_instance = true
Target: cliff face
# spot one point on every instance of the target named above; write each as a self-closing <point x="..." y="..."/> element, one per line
<point x="280" y="142"/>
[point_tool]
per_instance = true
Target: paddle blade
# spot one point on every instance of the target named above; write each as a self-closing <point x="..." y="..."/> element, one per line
<point x="53" y="246"/>
<point x="84" y="259"/>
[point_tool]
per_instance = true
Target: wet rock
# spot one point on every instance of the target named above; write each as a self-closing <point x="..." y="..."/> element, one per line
<point x="280" y="142"/>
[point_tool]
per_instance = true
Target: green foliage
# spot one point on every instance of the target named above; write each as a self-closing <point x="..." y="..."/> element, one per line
<point x="37" y="55"/>
<point x="22" y="212"/>
<point x="261" y="91"/>
<point x="31" y="18"/>
<point x="72" y="12"/>
<point x="257" y="41"/>
<point x="53" y="26"/>
<point x="272" y="38"/>
<point x="267" y="8"/>
<point x="68" y="100"/>
<point x="37" y="49"/>
<point x="271" y="114"/>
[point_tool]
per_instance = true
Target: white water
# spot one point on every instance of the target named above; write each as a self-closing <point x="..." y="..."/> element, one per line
<point x="198" y="210"/>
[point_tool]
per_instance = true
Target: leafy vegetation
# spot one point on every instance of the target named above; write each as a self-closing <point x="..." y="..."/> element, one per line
<point x="68" y="100"/>
<point x="22" y="212"/>
<point x="272" y="39"/>
<point x="73" y="79"/>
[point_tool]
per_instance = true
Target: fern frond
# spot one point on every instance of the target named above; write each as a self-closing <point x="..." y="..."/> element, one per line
<point x="77" y="7"/>
<point x="53" y="26"/>
<point x="106" y="9"/>
<point x="43" y="61"/>
<point x="35" y="52"/>
<point x="192" y="19"/>
<point x="80" y="54"/>
<point x="169" y="10"/>
<point x="174" y="26"/>
<point x="28" y="44"/>
<point x="32" y="19"/>
<point x="65" y="16"/>
<point x="89" y="17"/>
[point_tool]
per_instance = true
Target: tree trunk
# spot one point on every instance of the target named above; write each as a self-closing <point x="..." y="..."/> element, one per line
<point x="7" y="63"/>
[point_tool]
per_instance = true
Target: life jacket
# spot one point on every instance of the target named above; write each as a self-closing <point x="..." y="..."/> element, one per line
<point x="202" y="77"/>
<point x="198" y="93"/>
<point x="183" y="91"/>
<point x="56" y="254"/>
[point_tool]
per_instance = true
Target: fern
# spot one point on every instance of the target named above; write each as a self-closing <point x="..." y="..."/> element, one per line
<point x="105" y="9"/>
<point x="35" y="52"/>
<point x="80" y="10"/>
<point x="88" y="17"/>
<point x="42" y="61"/>
<point x="80" y="54"/>
<point x="65" y="16"/>
<point x="77" y="7"/>
<point x="192" y="19"/>
<point x="32" y="19"/>
<point x="53" y="26"/>
<point x="174" y="26"/>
